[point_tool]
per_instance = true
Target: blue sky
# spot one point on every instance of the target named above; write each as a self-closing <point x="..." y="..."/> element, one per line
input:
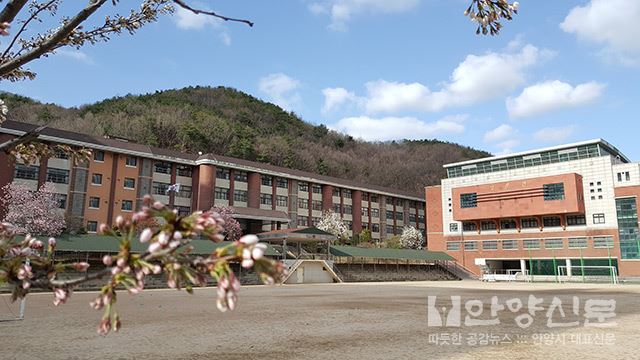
<point x="562" y="71"/>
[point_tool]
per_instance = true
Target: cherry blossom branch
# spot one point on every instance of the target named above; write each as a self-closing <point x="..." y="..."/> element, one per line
<point x="34" y="15"/>
<point x="22" y="139"/>
<point x="11" y="10"/>
<point x="183" y="5"/>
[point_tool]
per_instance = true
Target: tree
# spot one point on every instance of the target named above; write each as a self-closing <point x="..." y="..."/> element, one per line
<point x="411" y="238"/>
<point x="33" y="212"/>
<point x="333" y="224"/>
<point x="232" y="230"/>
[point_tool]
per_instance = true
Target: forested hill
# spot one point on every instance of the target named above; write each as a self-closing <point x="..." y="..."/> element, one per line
<point x="229" y="122"/>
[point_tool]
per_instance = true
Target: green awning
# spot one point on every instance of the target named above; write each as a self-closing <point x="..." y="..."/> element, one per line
<point x="392" y="254"/>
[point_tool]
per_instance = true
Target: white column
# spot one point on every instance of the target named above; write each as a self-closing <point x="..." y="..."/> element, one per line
<point x="523" y="266"/>
<point x="569" y="267"/>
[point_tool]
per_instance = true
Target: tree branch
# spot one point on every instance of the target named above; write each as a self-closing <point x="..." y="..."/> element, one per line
<point x="24" y="26"/>
<point x="183" y="5"/>
<point x="24" y="138"/>
<point x="11" y="10"/>
<point x="52" y="41"/>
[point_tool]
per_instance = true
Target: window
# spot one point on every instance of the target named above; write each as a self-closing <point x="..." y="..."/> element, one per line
<point x="553" y="191"/>
<point x="303" y="186"/>
<point x="303" y="221"/>
<point x="159" y="188"/>
<point x="578" y="243"/>
<point x="603" y="242"/>
<point x="551" y="221"/>
<point x="92" y="226"/>
<point x="453" y="245"/>
<point x="317" y="189"/>
<point x="61" y="200"/>
<point x="626" y="175"/>
<point x="346" y="193"/>
<point x="221" y="193"/>
<point x="184" y="170"/>
<point x="469" y="226"/>
<point x="507" y="224"/>
<point x="348" y="209"/>
<point x="282" y="201"/>
<point x="509" y="244"/>
<point x="453" y="227"/>
<point x="553" y="243"/>
<point x="390" y="230"/>
<point x="399" y="216"/>
<point x="627" y="215"/>
<point x="129" y="183"/>
<point x="96" y="179"/>
<point x="375" y="213"/>
<point x="240" y="196"/>
<point x="131" y="161"/>
<point x="598" y="219"/>
<point x="303" y="203"/>
<point x="185" y="192"/>
<point x="488" y="225"/>
<point x="98" y="155"/>
<point x="389" y="215"/>
<point x="267" y="180"/>
<point x="265" y="199"/>
<point x="336" y="192"/>
<point x="337" y="208"/>
<point x="317" y="205"/>
<point x="364" y="211"/>
<point x="349" y="224"/>
<point x="315" y="220"/>
<point x="365" y="196"/>
<point x="127" y="205"/>
<point x="490" y="245"/>
<point x="374" y="198"/>
<point x="94" y="202"/>
<point x="59" y="154"/>
<point x="375" y="228"/>
<point x="531" y="244"/>
<point x="421" y="219"/>
<point x="58" y="176"/>
<point x="576" y="220"/>
<point x="240" y="176"/>
<point x="222" y="174"/>
<point x="469" y="200"/>
<point x="471" y="245"/>
<point x="282" y="183"/>
<point x="26" y="172"/>
<point x="162" y="168"/>
<point x="412" y="217"/>
<point x="183" y="210"/>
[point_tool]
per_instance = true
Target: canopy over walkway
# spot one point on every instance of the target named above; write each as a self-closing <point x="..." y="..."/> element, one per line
<point x="389" y="254"/>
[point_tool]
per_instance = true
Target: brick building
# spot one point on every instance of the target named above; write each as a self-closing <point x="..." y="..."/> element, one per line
<point x="264" y="197"/>
<point x="568" y="205"/>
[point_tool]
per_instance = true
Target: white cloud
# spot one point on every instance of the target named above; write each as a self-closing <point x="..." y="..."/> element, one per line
<point x="506" y="147"/>
<point x="552" y="95"/>
<point x="612" y="23"/>
<point x="76" y="55"/>
<point x="281" y="90"/>
<point x="554" y="134"/>
<point x="341" y="11"/>
<point x="396" y="128"/>
<point x="477" y="78"/>
<point x="335" y="97"/>
<point x="187" y="20"/>
<point x="502" y="132"/>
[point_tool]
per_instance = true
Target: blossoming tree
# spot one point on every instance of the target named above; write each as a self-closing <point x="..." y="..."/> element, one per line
<point x="33" y="212"/>
<point x="411" y="238"/>
<point x="333" y="224"/>
<point x="232" y="230"/>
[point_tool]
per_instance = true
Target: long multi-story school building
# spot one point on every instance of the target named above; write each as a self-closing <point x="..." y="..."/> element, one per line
<point x="264" y="197"/>
<point x="570" y="205"/>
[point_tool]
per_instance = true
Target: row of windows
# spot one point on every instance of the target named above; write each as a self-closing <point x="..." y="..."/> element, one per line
<point x="599" y="242"/>
<point x="530" y="223"/>
<point x="94" y="203"/>
<point x="160" y="188"/>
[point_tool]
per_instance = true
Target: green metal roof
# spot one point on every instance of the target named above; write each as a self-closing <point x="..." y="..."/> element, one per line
<point x="108" y="244"/>
<point x="352" y="251"/>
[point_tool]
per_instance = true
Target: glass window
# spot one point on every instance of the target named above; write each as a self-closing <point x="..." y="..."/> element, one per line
<point x="303" y="221"/>
<point x="98" y="155"/>
<point x="184" y="170"/>
<point x="316" y="221"/>
<point x="317" y="189"/>
<point x="265" y="199"/>
<point x="470" y="245"/>
<point x="185" y="192"/>
<point x="96" y="179"/>
<point x="412" y="217"/>
<point x="162" y="168"/>
<point x="553" y="243"/>
<point x="129" y="183"/>
<point x="303" y="203"/>
<point x="240" y="176"/>
<point x="183" y="210"/>
<point x="159" y="188"/>
<point x="375" y="213"/>
<point x="61" y="200"/>
<point x="469" y="200"/>
<point x="92" y="226"/>
<point x="127" y="205"/>
<point x="553" y="191"/>
<point x="598" y="219"/>
<point x="58" y="176"/>
<point x="346" y="193"/>
<point x="507" y="224"/>
<point x="365" y="196"/>
<point x="131" y="161"/>
<point x="578" y="243"/>
<point x="303" y="186"/>
<point x="26" y="172"/>
<point x="531" y="243"/>
<point x="60" y="154"/>
<point x="348" y="209"/>
<point x="490" y="245"/>
<point x="488" y="225"/>
<point x="374" y="198"/>
<point x="221" y="193"/>
<point x="605" y="242"/>
<point x="551" y="221"/>
<point x="399" y="216"/>
<point x="627" y="213"/>
<point x="267" y="180"/>
<point x="469" y="226"/>
<point x="389" y="215"/>
<point x="282" y="183"/>
<point x="509" y="244"/>
<point x="94" y="202"/>
<point x="240" y="196"/>
<point x="453" y="245"/>
<point x="317" y="205"/>
<point x="282" y="201"/>
<point x="375" y="228"/>
<point x="453" y="227"/>
<point x="390" y="230"/>
<point x="222" y="174"/>
<point x="529" y="223"/>
<point x="337" y="208"/>
<point x="336" y="192"/>
<point x="575" y="220"/>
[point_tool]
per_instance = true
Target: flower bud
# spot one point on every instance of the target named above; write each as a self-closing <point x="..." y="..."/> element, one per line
<point x="249" y="239"/>
<point x="107" y="260"/>
<point x="52" y="242"/>
<point x="119" y="221"/>
<point x="146" y="235"/>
